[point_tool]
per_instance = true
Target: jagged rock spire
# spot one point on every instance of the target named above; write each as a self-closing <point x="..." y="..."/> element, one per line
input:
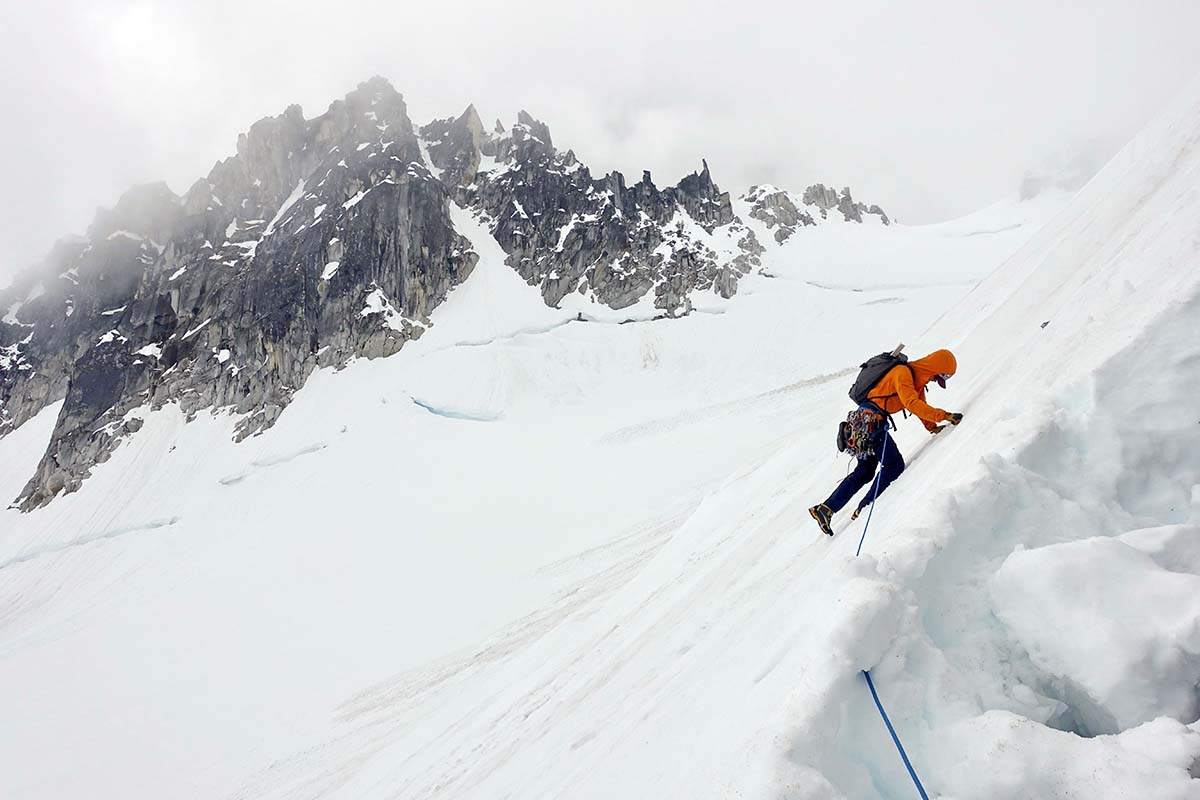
<point x="321" y="240"/>
<point x="327" y="239"/>
<point x="783" y="212"/>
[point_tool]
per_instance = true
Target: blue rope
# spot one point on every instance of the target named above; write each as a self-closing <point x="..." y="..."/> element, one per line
<point x="912" y="773"/>
<point x="875" y="494"/>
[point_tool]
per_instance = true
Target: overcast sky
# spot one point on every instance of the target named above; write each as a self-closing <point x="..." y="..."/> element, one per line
<point x="930" y="108"/>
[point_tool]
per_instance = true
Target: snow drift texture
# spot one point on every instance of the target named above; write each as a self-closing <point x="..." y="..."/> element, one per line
<point x="533" y="556"/>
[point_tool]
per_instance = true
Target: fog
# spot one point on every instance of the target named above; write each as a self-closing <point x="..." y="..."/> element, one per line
<point x="930" y="109"/>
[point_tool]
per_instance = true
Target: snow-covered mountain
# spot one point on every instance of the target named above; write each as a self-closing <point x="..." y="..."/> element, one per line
<point x="330" y="239"/>
<point x="557" y="544"/>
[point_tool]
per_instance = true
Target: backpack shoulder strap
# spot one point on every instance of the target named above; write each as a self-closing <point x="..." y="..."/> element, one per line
<point x="903" y="411"/>
<point x="871" y="406"/>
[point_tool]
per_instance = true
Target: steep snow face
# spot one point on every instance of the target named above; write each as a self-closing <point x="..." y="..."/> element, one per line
<point x="1084" y="341"/>
<point x="565" y="552"/>
<point x="1124" y="663"/>
<point x="520" y="502"/>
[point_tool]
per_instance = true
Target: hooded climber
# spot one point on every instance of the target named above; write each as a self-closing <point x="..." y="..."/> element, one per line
<point x="901" y="388"/>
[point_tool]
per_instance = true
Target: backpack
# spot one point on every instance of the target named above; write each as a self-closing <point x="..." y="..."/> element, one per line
<point x="861" y="433"/>
<point x="872" y="371"/>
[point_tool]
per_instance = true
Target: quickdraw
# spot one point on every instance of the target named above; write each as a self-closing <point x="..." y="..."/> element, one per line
<point x="859" y="435"/>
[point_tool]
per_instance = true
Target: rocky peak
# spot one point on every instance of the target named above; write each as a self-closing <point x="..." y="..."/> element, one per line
<point x="703" y="200"/>
<point x="527" y="125"/>
<point x="821" y="196"/>
<point x="327" y="239"/>
<point x="320" y="241"/>
<point x="469" y="120"/>
<point x="455" y="145"/>
<point x="567" y="232"/>
<point x="265" y="156"/>
<point x="528" y="143"/>
<point x="785" y="213"/>
<point x="373" y="109"/>
<point x="151" y="210"/>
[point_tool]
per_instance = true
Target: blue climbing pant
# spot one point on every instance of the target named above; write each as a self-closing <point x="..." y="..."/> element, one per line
<point x="893" y="465"/>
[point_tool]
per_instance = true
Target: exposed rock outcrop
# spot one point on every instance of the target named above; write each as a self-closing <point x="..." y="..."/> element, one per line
<point x="320" y="241"/>
<point x="565" y="231"/>
<point x="454" y="146"/>
<point x="782" y="211"/>
<point x="328" y="239"/>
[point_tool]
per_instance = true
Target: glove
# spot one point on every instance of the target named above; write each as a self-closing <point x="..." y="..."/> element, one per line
<point x="953" y="417"/>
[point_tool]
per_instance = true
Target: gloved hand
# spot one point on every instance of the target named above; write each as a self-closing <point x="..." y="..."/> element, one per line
<point x="953" y="417"/>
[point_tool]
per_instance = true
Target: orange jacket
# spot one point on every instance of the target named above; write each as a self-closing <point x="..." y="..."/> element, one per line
<point x="903" y="387"/>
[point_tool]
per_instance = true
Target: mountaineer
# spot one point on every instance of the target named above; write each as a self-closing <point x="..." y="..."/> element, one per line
<point x="888" y="383"/>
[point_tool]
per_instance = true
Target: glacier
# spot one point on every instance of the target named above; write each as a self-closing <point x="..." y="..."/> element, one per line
<point x="590" y="572"/>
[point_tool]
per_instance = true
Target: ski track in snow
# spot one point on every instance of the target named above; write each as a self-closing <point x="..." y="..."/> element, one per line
<point x="264" y="463"/>
<point x="994" y="230"/>
<point x="885" y="287"/>
<point x="539" y="331"/>
<point x="507" y="337"/>
<point x="709" y="413"/>
<point x="92" y="539"/>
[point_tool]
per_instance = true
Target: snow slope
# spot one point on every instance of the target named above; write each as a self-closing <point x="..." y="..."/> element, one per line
<point x="543" y="553"/>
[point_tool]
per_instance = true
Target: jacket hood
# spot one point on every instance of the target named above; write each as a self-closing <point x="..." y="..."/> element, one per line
<point x="939" y="362"/>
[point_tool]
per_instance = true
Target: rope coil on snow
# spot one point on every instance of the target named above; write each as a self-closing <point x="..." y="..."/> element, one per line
<point x="912" y="773"/>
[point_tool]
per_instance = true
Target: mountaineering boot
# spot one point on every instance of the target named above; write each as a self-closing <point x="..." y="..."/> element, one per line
<point x="854" y="516"/>
<point x="823" y="515"/>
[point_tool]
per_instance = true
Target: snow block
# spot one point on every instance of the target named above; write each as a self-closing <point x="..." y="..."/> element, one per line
<point x="1026" y="759"/>
<point x="1118" y="632"/>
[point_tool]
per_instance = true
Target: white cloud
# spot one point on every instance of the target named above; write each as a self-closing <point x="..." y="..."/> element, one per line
<point x="930" y="109"/>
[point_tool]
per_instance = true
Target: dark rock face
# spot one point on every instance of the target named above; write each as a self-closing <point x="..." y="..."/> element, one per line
<point x="330" y="239"/>
<point x="565" y="231"/>
<point x="783" y="212"/>
<point x="322" y="240"/>
<point x="455" y="146"/>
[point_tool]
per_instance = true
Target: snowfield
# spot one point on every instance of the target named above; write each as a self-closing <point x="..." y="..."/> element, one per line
<point x="565" y="553"/>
